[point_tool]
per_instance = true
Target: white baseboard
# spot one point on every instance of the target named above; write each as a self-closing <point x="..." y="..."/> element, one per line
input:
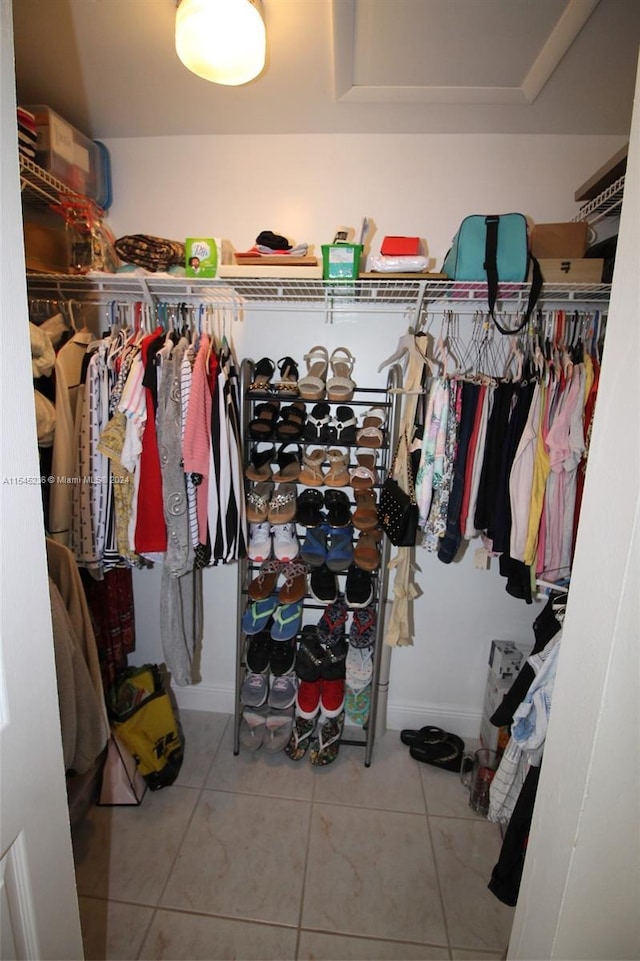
<point x="464" y="723"/>
<point x="205" y="697"/>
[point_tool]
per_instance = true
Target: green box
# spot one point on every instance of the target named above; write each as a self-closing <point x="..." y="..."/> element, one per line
<point x="202" y="256"/>
<point x="341" y="261"/>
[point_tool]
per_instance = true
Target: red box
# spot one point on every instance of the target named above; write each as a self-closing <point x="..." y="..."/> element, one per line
<point x="400" y="247"/>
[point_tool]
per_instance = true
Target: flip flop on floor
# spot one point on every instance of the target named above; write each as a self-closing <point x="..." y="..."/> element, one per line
<point x="447" y="754"/>
<point x="430" y="735"/>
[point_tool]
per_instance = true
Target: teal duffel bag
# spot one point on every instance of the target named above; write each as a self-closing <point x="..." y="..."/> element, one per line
<point x="494" y="249"/>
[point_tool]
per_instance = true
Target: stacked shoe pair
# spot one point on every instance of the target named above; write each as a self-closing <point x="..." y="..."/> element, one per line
<point x="268" y="693"/>
<point x="359" y="665"/>
<point x="320" y="668"/>
<point x="432" y="745"/>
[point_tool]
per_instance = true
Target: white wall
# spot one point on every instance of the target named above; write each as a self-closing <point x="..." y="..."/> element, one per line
<point x="579" y="893"/>
<point x="304" y="187"/>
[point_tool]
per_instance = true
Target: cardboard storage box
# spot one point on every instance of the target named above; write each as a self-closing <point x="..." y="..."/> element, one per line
<point x="569" y="240"/>
<point x="505" y="659"/>
<point x="587" y="270"/>
<point x="67" y="154"/>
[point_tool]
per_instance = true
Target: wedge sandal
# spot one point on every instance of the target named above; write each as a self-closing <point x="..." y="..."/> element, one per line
<point x="340" y="386"/>
<point x="313" y="385"/>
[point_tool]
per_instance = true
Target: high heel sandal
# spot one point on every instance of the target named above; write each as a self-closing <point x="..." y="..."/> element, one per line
<point x="262" y="374"/>
<point x="288" y="383"/>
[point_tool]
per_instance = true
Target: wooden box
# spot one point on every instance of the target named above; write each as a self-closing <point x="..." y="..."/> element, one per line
<point x="568" y="240"/>
<point x="586" y="270"/>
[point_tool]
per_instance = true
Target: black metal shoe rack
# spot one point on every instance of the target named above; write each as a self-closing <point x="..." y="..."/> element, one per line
<point x="386" y="399"/>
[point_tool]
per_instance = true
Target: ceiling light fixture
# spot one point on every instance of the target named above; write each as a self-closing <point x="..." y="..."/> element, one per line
<point x="223" y="41"/>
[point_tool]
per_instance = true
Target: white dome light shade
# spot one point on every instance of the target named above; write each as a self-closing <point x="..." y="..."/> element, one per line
<point x="221" y="40"/>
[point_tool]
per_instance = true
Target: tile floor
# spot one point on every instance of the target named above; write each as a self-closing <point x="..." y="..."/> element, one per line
<point x="258" y="857"/>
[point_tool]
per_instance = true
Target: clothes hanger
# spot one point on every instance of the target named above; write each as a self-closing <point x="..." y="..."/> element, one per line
<point x="403" y="349"/>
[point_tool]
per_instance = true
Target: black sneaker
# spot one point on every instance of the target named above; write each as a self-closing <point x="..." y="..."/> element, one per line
<point x="324" y="585"/>
<point x="259" y="652"/>
<point x="358" y="589"/>
<point x="283" y="657"/>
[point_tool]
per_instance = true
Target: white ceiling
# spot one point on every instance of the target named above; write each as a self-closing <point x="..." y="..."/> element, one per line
<point x="340" y="66"/>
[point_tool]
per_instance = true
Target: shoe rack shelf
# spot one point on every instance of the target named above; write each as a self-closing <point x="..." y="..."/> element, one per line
<point x="363" y="399"/>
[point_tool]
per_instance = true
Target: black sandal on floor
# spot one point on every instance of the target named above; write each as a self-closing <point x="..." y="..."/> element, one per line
<point x="447" y="754"/>
<point x="262" y="374"/>
<point x="288" y="383"/>
<point x="428" y="735"/>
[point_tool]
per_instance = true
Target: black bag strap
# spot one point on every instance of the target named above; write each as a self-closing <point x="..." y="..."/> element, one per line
<point x="491" y="267"/>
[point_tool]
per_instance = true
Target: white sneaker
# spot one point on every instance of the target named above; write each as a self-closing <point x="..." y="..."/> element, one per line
<point x="285" y="542"/>
<point x="259" y="547"/>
